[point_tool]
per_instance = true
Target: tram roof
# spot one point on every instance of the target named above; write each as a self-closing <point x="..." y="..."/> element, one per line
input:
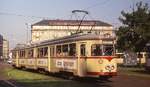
<point x="71" y="38"/>
<point x="77" y="37"/>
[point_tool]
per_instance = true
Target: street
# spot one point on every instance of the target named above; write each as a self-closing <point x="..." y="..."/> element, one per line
<point x="3" y="78"/>
<point x="118" y="81"/>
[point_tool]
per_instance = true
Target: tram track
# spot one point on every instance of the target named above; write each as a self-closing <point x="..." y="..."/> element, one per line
<point x="6" y="83"/>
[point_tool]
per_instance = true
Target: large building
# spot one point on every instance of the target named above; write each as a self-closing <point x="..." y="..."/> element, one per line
<point x="5" y="49"/>
<point x="50" y="29"/>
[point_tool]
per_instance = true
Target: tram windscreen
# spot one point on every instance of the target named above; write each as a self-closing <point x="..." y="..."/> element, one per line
<point x="108" y="50"/>
<point x="96" y="50"/>
<point x="101" y="50"/>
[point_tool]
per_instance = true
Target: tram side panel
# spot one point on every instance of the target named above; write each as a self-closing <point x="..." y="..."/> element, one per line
<point x="31" y="58"/>
<point x="61" y="60"/>
<point x="22" y="58"/>
<point x="31" y="63"/>
<point x="65" y="65"/>
<point x="42" y="58"/>
<point x="102" y="66"/>
<point x="64" y="61"/>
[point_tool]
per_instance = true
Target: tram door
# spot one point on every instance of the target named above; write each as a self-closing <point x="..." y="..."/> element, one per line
<point x="82" y="59"/>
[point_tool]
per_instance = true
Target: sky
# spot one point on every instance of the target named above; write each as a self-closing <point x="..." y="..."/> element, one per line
<point x="16" y="16"/>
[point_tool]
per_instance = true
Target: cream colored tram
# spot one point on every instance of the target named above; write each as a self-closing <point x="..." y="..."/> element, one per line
<point x="82" y="55"/>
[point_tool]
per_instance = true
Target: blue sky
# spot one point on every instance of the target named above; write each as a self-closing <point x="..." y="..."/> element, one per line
<point x="14" y="28"/>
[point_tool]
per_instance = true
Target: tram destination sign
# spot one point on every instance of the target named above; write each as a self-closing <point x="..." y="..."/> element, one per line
<point x="66" y="64"/>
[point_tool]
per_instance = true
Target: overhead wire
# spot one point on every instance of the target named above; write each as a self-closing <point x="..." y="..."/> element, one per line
<point x="31" y="16"/>
<point x="97" y="4"/>
<point x="20" y="15"/>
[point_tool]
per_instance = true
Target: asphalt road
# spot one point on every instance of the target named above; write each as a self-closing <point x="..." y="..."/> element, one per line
<point x="4" y="83"/>
<point x="118" y="81"/>
<point x="130" y="81"/>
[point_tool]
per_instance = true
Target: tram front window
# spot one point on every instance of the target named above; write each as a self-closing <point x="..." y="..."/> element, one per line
<point x="108" y="50"/>
<point x="96" y="50"/>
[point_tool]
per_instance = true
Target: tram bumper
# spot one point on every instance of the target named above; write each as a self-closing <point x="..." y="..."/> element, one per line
<point x="102" y="74"/>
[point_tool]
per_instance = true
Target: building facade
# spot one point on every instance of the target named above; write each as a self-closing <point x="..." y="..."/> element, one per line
<point x="5" y="49"/>
<point x="51" y="29"/>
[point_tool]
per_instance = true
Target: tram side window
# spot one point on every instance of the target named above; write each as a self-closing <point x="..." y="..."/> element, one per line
<point x="30" y="53"/>
<point x="82" y="48"/>
<point x="108" y="50"/>
<point x="43" y="52"/>
<point x="58" y="50"/>
<point x="96" y="50"/>
<point x="72" y="49"/>
<point x="22" y="53"/>
<point x="65" y="50"/>
<point x="40" y="52"/>
<point x="45" y="49"/>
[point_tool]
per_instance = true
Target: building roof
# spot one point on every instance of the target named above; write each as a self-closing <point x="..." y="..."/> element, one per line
<point x="71" y="23"/>
<point x="66" y="39"/>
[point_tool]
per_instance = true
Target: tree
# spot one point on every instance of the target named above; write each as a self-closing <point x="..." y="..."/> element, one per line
<point x="135" y="32"/>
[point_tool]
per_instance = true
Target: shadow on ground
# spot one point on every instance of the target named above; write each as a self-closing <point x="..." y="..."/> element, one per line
<point x="61" y="81"/>
<point x="66" y="83"/>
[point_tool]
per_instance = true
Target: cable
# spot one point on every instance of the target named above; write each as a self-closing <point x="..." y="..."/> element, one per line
<point x="92" y="6"/>
<point x="6" y="13"/>
<point x="20" y="15"/>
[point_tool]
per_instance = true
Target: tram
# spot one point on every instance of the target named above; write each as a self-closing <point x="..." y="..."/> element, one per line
<point x="81" y="55"/>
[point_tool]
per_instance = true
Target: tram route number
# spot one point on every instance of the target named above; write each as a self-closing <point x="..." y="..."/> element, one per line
<point x="66" y="64"/>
